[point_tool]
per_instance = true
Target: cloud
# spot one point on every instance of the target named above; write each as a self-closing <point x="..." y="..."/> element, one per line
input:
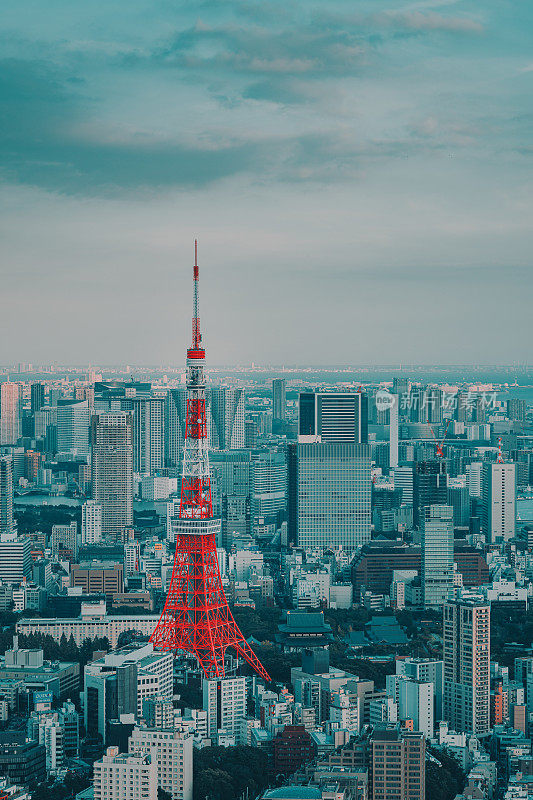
<point x="426" y="21"/>
<point x="254" y="50"/>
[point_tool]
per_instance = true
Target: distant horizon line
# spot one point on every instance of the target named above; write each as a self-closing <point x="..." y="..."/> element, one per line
<point x="14" y="368"/>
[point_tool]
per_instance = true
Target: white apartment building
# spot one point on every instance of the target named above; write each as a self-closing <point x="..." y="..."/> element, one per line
<point x="91" y="522"/>
<point x="499" y="501"/>
<point x="172" y="752"/>
<point x="345" y="710"/>
<point x="52" y="735"/>
<point x="125" y="777"/>
<point x="224" y="699"/>
<point x="132" y="557"/>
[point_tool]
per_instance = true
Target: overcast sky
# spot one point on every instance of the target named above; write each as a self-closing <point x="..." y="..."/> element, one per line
<point x="358" y="173"/>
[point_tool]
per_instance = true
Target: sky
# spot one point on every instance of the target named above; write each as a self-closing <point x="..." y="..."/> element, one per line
<point x="358" y="174"/>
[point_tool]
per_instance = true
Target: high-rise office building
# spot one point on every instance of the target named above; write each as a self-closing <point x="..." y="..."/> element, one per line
<point x="225" y="418"/>
<point x="279" y="398"/>
<point x="148" y="439"/>
<point x="403" y="481"/>
<point x="6" y="494"/>
<point x="474" y="472"/>
<point x="398" y="763"/>
<point x="434" y="405"/>
<point x="125" y="777"/>
<point x="394" y="419"/>
<point x="516" y="409"/>
<point x="268" y="483"/>
<point x="112" y="470"/>
<point x="329" y="495"/>
<point x="466" y="632"/>
<point x="459" y="500"/>
<point x="437" y="554"/>
<point x="91" y="522"/>
<point x="36" y="397"/>
<point x="10" y="412"/>
<point x="172" y="752"/>
<point x="499" y="501"/>
<point x="73" y="427"/>
<point x="461" y="410"/>
<point x="15" y="558"/>
<point x="224" y="699"/>
<point x="174" y="428"/>
<point x="429" y="486"/>
<point x="333" y="417"/>
<point x="231" y="492"/>
<point x="44" y="417"/>
<point x="401" y="388"/>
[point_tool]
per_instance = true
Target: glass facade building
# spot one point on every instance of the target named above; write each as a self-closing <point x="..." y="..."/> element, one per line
<point x="329" y="495"/>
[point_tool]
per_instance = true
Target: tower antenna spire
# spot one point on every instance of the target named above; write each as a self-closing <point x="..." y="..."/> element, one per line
<point x="197" y="618"/>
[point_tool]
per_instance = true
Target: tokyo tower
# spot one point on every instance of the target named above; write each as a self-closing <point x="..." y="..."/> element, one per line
<point x="196" y="617"/>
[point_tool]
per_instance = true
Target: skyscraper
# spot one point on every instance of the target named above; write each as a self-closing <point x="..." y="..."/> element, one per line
<point x="232" y="473"/>
<point x="394" y="412"/>
<point x="329" y="472"/>
<point x="459" y="499"/>
<point x="36" y="397"/>
<point x="437" y="554"/>
<point x="268" y="483"/>
<point x="279" y="400"/>
<point x="6" y="494"/>
<point x="148" y="440"/>
<point x="499" y="501"/>
<point x="403" y="480"/>
<point x="174" y="428"/>
<point x="429" y="486"/>
<point x="333" y="417"/>
<point x="225" y="418"/>
<point x="10" y="412"/>
<point x="398" y="763"/>
<point x="112" y="470"/>
<point x="73" y="422"/>
<point x="516" y="409"/>
<point x="466" y="632"/>
<point x="329" y="493"/>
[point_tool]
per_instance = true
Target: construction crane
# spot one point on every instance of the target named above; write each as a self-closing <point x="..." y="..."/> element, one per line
<point x="439" y="445"/>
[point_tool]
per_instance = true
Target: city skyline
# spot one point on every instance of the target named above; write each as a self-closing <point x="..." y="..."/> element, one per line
<point x="354" y="175"/>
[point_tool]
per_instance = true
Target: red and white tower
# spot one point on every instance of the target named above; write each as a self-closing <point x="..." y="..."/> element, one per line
<point x="196" y="617"/>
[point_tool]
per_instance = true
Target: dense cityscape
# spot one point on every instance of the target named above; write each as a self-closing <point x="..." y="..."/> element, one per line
<point x="266" y="400"/>
<point x="294" y="588"/>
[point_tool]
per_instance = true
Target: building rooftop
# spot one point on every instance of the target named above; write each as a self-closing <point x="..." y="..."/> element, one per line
<point x="296" y="621"/>
<point x="293" y="793"/>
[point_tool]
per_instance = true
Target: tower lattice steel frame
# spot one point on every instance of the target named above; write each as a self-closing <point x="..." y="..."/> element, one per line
<point x="196" y="617"/>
